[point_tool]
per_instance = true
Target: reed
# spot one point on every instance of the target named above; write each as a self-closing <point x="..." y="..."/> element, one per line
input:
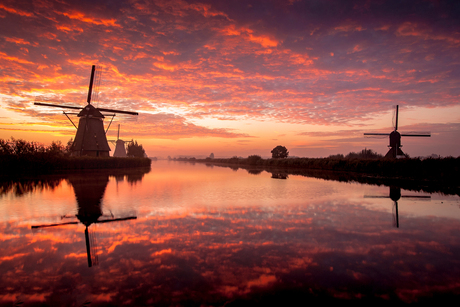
<point x="19" y="156"/>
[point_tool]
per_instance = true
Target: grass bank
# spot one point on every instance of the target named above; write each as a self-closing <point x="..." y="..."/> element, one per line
<point x="47" y="164"/>
<point x="443" y="169"/>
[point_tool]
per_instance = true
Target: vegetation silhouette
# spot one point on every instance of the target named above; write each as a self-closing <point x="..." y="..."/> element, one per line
<point x="254" y="159"/>
<point x="430" y="174"/>
<point x="18" y="157"/>
<point x="279" y="152"/>
<point x="363" y="154"/>
<point x="135" y="150"/>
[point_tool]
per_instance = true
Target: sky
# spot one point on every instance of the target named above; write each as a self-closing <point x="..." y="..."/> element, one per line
<point x="236" y="77"/>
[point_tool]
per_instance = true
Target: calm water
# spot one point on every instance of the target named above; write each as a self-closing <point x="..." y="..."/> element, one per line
<point x="184" y="234"/>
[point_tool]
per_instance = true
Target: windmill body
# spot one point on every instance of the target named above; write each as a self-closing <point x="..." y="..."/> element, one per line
<point x="395" y="145"/>
<point x="120" y="148"/>
<point x="395" y="139"/>
<point x="90" y="139"/>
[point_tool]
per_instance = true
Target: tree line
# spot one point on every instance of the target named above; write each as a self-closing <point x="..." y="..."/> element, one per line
<point x="281" y="152"/>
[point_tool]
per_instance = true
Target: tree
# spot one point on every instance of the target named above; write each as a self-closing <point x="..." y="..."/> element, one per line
<point x="211" y="155"/>
<point x="280" y="152"/>
<point x="135" y="150"/>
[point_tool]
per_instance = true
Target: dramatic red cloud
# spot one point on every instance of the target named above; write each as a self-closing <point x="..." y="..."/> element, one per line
<point x="221" y="68"/>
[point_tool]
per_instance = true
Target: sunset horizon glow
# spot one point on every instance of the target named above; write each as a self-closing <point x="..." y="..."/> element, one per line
<point x="236" y="78"/>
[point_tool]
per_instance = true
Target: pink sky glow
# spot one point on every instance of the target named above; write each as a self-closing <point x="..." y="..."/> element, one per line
<point x="237" y="77"/>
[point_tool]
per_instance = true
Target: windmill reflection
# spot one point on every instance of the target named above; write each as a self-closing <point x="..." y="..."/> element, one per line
<point x="89" y="191"/>
<point x="395" y="196"/>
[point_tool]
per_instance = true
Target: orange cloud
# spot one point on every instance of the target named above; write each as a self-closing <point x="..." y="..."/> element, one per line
<point x="92" y="20"/>
<point x="15" y="11"/>
<point x="6" y="57"/>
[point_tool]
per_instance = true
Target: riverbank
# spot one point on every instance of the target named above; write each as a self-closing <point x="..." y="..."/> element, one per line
<point x="11" y="165"/>
<point x="439" y="173"/>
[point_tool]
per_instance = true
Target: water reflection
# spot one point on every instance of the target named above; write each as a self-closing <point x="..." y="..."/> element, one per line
<point x="212" y="237"/>
<point x="25" y="186"/>
<point x="407" y="184"/>
<point x="89" y="192"/>
<point x="395" y="196"/>
<point x="280" y="176"/>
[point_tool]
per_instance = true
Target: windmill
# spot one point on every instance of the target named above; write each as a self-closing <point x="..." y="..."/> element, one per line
<point x="90" y="139"/>
<point x="120" y="149"/>
<point x="395" y="139"/>
<point x="395" y="196"/>
<point x="89" y="191"/>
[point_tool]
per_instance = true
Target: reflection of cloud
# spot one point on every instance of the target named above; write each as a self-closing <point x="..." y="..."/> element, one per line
<point x="238" y="252"/>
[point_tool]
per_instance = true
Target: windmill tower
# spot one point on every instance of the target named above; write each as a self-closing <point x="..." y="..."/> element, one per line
<point x="90" y="139"/>
<point x="395" y="139"/>
<point x="120" y="148"/>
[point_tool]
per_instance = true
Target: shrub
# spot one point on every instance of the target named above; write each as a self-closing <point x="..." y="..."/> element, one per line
<point x="252" y="160"/>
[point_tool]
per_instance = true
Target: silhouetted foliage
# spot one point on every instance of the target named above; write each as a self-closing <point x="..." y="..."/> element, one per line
<point x="57" y="149"/>
<point x="19" y="147"/>
<point x="364" y="154"/>
<point x="337" y="156"/>
<point x="18" y="156"/>
<point x="442" y="170"/>
<point x="254" y="159"/>
<point x="135" y="150"/>
<point x="68" y="147"/>
<point x="280" y="152"/>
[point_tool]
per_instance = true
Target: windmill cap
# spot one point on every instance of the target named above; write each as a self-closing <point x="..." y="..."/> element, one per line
<point x="90" y="111"/>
